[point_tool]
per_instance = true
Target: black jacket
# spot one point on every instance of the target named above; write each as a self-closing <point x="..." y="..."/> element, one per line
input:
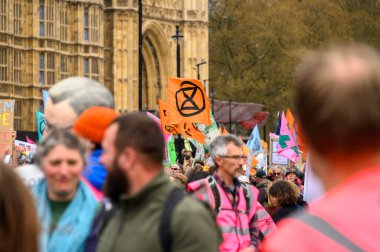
<point x="285" y="211"/>
<point x="263" y="194"/>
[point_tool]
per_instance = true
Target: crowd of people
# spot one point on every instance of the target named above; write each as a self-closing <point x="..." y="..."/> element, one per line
<point x="101" y="182"/>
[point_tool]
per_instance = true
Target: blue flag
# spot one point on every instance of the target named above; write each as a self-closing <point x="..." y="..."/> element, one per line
<point x="254" y="146"/>
<point x="254" y="143"/>
<point x="40" y="124"/>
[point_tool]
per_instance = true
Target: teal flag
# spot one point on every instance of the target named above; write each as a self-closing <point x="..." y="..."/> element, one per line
<point x="40" y="124"/>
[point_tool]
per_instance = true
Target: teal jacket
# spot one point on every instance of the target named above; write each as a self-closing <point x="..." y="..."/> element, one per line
<point x="134" y="226"/>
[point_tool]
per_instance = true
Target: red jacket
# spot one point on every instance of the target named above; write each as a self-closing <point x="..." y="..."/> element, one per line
<point x="352" y="208"/>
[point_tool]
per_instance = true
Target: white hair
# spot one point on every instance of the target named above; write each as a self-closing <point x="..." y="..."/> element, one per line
<point x="218" y="147"/>
<point x="82" y="94"/>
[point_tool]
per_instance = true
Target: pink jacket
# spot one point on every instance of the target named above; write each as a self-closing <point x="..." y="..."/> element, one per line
<point x="352" y="208"/>
<point x="233" y="222"/>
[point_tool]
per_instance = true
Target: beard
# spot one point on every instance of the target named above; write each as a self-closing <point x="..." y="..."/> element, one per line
<point x="116" y="183"/>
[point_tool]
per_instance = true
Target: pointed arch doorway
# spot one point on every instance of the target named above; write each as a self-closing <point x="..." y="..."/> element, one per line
<point x="156" y="65"/>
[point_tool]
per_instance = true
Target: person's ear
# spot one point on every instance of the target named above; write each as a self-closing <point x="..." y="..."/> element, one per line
<point x="218" y="160"/>
<point x="127" y="158"/>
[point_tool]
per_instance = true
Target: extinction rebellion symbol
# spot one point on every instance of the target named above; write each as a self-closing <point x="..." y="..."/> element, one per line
<point x="42" y="127"/>
<point x="190" y="99"/>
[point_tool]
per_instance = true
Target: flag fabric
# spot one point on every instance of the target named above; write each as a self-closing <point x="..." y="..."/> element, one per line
<point x="158" y="121"/>
<point x="211" y="132"/>
<point x="187" y="145"/>
<point x="278" y="129"/>
<point x="220" y="130"/>
<point x="28" y="140"/>
<point x="250" y="163"/>
<point x="262" y="161"/>
<point x="295" y="130"/>
<point x="200" y="150"/>
<point x="187" y="102"/>
<point x="167" y="128"/>
<point x="290" y="119"/>
<point x="225" y="131"/>
<point x="172" y="155"/>
<point x="254" y="143"/>
<point x="45" y="95"/>
<point x="189" y="130"/>
<point x="40" y="124"/>
<point x="264" y="145"/>
<point x="286" y="145"/>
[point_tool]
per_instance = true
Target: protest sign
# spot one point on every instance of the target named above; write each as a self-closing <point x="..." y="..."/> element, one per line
<point x="25" y="146"/>
<point x="6" y="124"/>
<point x="26" y="151"/>
<point x="274" y="157"/>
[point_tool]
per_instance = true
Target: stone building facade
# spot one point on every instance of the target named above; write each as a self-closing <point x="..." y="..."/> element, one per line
<point x="44" y="41"/>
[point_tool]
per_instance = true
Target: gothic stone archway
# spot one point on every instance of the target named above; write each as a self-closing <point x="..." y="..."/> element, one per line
<point x="156" y="65"/>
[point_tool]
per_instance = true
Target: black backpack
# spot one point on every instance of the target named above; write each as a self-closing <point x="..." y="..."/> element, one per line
<point x="100" y="222"/>
<point x="216" y="194"/>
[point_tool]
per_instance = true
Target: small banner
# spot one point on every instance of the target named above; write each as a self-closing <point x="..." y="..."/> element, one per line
<point x="24" y="146"/>
<point x="6" y="124"/>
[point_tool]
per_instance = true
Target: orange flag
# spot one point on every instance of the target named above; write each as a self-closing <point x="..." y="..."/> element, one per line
<point x="264" y="144"/>
<point x="167" y="128"/>
<point x="190" y="130"/>
<point x="225" y="132"/>
<point x="290" y="119"/>
<point x="295" y="130"/>
<point x="187" y="102"/>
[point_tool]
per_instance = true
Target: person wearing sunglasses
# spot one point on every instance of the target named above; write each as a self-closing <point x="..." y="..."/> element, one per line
<point x="278" y="172"/>
<point x="176" y="168"/>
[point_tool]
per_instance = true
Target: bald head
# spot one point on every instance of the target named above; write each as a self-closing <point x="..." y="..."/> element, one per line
<point x="70" y="97"/>
<point x="337" y="99"/>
